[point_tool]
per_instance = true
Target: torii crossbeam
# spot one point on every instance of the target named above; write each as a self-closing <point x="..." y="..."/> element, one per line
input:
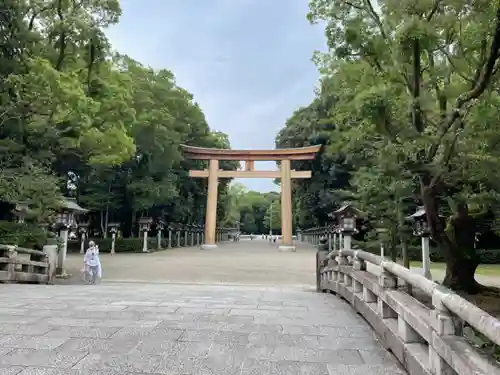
<point x="286" y="174"/>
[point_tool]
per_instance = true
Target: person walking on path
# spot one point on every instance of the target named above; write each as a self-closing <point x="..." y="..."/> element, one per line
<point x="92" y="263"/>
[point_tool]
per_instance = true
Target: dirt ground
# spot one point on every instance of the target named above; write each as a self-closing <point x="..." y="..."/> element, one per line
<point x="247" y="262"/>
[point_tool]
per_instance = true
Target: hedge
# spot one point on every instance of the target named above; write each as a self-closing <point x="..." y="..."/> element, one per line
<point x="22" y="234"/>
<point x="124" y="245"/>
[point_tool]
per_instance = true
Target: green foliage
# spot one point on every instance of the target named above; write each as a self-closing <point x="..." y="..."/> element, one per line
<point x="251" y="209"/>
<point x="23" y="235"/>
<point x="77" y="119"/>
<point x="408" y="107"/>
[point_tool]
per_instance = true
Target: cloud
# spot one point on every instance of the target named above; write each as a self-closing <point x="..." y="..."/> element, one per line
<point x="247" y="62"/>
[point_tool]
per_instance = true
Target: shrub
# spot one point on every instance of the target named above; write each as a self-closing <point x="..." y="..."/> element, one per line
<point x="22" y="234"/>
<point x="122" y="245"/>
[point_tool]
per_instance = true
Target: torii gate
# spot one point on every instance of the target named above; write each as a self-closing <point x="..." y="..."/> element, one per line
<point x="285" y="155"/>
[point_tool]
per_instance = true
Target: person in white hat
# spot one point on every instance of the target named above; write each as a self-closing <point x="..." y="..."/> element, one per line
<point x="92" y="263"/>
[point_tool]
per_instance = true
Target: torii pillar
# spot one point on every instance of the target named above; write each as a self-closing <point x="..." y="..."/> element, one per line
<point x="285" y="156"/>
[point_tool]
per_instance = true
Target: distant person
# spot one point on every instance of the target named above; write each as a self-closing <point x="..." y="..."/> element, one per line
<point x="92" y="263"/>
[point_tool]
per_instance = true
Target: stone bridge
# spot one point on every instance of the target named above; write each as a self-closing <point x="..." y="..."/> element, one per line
<point x="244" y="308"/>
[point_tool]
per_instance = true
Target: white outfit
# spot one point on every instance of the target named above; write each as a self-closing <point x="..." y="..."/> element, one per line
<point x="93" y="263"/>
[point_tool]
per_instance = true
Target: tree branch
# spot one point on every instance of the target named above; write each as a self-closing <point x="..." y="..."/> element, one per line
<point x="479" y="86"/>
<point x="434" y="9"/>
<point x="417" y="71"/>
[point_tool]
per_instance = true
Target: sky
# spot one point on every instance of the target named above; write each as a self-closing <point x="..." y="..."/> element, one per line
<point x="247" y="62"/>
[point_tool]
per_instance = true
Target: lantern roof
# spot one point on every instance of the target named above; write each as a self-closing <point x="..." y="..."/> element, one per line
<point x="420" y="214"/>
<point x="346" y="209"/>
<point x="22" y="208"/>
<point x="70" y="204"/>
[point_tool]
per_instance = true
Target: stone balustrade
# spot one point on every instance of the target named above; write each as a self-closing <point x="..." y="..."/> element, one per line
<point x="425" y="337"/>
<point x="185" y="235"/>
<point x="18" y="264"/>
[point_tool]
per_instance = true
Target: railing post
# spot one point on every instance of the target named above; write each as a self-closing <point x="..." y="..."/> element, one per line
<point x="321" y="256"/>
<point x="386" y="281"/>
<point x="442" y="325"/>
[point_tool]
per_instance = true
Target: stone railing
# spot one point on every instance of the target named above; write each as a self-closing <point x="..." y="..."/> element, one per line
<point x="425" y="337"/>
<point x="23" y="265"/>
<point x="330" y="233"/>
<point x="182" y="235"/>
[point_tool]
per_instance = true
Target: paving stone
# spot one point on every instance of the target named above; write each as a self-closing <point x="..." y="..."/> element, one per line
<point x="110" y="323"/>
<point x="31" y="342"/>
<point x="387" y="369"/>
<point x="151" y="310"/>
<point x="336" y="343"/>
<point x="276" y="339"/>
<point x="214" y="336"/>
<point x="41" y="358"/>
<point x="118" y="364"/>
<point x="160" y="346"/>
<point x="140" y="328"/>
<point x="90" y="332"/>
<point x="165" y="333"/>
<point x="18" y="319"/>
<point x="251" y="367"/>
<point x="118" y="345"/>
<point x="377" y="356"/>
<point x="202" y="311"/>
<point x="252" y="327"/>
<point x="23" y="329"/>
<point x="288" y="353"/>
<point x="14" y="370"/>
<point x="198" y="366"/>
<point x="240" y="319"/>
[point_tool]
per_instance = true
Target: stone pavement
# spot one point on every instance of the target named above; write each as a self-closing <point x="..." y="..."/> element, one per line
<point x="138" y="328"/>
<point x="126" y="329"/>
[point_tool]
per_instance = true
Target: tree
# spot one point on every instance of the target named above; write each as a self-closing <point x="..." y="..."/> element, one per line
<point x="416" y="83"/>
<point x="79" y="120"/>
<point x="273" y="214"/>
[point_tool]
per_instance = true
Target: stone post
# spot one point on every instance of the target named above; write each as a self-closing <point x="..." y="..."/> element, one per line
<point x="83" y="229"/>
<point x="113" y="228"/>
<point x="169" y="237"/>
<point x="426" y="260"/>
<point x="144" y="227"/>
<point x="113" y="242"/>
<point x="61" y="270"/>
<point x="186" y="241"/>
<point x="178" y="235"/>
<point x="51" y="251"/>
<point x="159" y="229"/>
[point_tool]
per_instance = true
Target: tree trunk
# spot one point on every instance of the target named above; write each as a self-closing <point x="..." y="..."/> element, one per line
<point x="455" y="240"/>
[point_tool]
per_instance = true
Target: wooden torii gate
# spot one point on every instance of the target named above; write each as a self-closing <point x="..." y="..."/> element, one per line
<point x="285" y="156"/>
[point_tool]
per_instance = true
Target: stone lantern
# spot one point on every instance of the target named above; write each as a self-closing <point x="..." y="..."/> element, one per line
<point x="186" y="233"/>
<point x="83" y="230"/>
<point x="421" y="228"/>
<point x="178" y="229"/>
<point x="346" y="218"/>
<point x="145" y="227"/>
<point x="64" y="221"/>
<point x="160" y="226"/>
<point x="113" y="229"/>
<point x="170" y="228"/>
<point x="198" y="232"/>
<point x="21" y="211"/>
